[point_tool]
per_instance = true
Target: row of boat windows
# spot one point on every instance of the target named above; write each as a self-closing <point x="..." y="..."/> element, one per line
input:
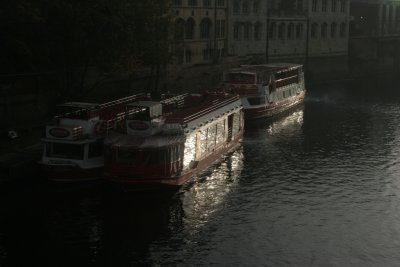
<point x="261" y="77"/>
<point x="149" y="157"/>
<point x="253" y="101"/>
<point x="208" y="139"/>
<point x="74" y="151"/>
<point x="196" y="146"/>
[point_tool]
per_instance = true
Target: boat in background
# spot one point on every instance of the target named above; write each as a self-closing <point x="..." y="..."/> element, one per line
<point x="165" y="148"/>
<point x="73" y="142"/>
<point x="267" y="90"/>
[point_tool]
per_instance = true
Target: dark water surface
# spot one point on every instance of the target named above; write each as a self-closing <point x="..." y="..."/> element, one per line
<point x="318" y="187"/>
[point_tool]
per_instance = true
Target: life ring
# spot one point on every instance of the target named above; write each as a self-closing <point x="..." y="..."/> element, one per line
<point x="12" y="134"/>
<point x="100" y="127"/>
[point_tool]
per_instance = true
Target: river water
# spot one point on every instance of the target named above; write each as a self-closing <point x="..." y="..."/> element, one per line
<point x="317" y="187"/>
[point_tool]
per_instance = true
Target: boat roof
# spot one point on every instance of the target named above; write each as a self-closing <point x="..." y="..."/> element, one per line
<point x="271" y="67"/>
<point x="208" y="107"/>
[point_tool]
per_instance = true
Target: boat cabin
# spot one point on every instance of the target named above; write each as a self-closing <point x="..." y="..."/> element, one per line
<point x="249" y="79"/>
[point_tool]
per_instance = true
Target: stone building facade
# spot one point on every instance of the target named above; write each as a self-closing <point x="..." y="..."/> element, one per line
<point x="308" y="29"/>
<point x="375" y="18"/>
<point x="222" y="33"/>
<point x="375" y="37"/>
<point x="200" y="30"/>
<point x="247" y="29"/>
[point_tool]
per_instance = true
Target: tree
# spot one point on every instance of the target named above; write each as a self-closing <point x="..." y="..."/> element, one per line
<point x="75" y="38"/>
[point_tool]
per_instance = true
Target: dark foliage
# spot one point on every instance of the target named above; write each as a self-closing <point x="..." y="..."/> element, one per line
<point x="75" y="38"/>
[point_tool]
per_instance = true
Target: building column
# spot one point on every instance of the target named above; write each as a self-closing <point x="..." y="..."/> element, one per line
<point x="380" y="20"/>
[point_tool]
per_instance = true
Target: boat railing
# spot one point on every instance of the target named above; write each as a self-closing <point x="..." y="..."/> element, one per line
<point x="106" y="111"/>
<point x="215" y="104"/>
<point x="173" y="103"/>
<point x="111" y="110"/>
<point x="123" y="100"/>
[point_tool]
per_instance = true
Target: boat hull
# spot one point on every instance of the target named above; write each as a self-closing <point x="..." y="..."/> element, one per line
<point x="71" y="174"/>
<point x="275" y="109"/>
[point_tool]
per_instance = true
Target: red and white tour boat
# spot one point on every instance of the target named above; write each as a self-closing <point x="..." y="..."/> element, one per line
<point x="73" y="142"/>
<point x="267" y="90"/>
<point x="166" y="147"/>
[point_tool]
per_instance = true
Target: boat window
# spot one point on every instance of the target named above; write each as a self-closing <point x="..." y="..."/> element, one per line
<point x="256" y="100"/>
<point x="240" y="78"/>
<point x="211" y="136"/>
<point x="95" y="149"/>
<point x="236" y="123"/>
<point x="176" y="154"/>
<point x="65" y="151"/>
<point x="286" y="74"/>
<point x="152" y="157"/>
<point x="220" y="131"/>
<point x="127" y="157"/>
<point x="190" y="150"/>
<point x="203" y="141"/>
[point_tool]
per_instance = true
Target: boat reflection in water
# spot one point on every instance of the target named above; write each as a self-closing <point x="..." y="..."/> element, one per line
<point x="206" y="195"/>
<point x="139" y="227"/>
<point x="295" y="118"/>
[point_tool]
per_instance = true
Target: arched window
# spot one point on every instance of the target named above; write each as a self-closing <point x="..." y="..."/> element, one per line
<point x="333" y="6"/>
<point x="299" y="31"/>
<point x="324" y="5"/>
<point x="236" y="7"/>
<point x="342" y="6"/>
<point x="179" y="27"/>
<point x="290" y="33"/>
<point x="333" y="30"/>
<point x="245" y="7"/>
<point x="314" y="5"/>
<point x="314" y="30"/>
<point x="189" y="28"/>
<point x="205" y="28"/>
<point x="192" y="2"/>
<point x="177" y="2"/>
<point x="257" y="31"/>
<point x="342" y="29"/>
<point x="272" y="30"/>
<point x="247" y="31"/>
<point x="256" y="7"/>
<point x="236" y="31"/>
<point x="324" y="30"/>
<point x="206" y="3"/>
<point x="188" y="55"/>
<point x="281" y="31"/>
<point x="179" y="56"/>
